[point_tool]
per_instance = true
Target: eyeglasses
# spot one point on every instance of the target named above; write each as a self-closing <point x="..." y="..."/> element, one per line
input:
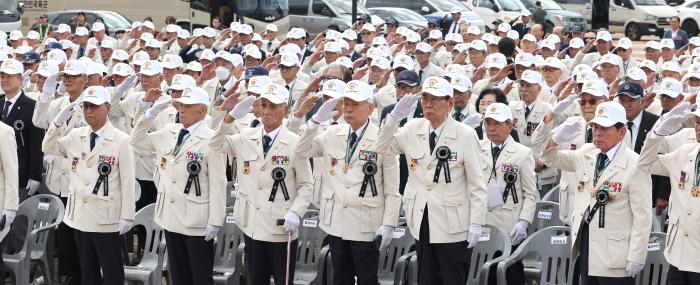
<point x="591" y="102"/>
<point x="366" y="33"/>
<point x="433" y="99"/>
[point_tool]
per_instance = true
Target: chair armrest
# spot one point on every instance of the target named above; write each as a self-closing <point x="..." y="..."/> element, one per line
<point x="486" y="269"/>
<point x="507" y="261"/>
<point x="321" y="262"/>
<point x="402" y="267"/>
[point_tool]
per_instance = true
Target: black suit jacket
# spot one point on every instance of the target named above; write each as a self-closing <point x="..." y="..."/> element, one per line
<point x="403" y="164"/>
<point x="661" y="185"/>
<point x="29" y="138"/>
<point x="445" y="26"/>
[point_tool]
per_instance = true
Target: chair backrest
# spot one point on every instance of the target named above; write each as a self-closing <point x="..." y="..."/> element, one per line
<point x="553" y="245"/>
<point x="230" y="194"/>
<point x="656" y="267"/>
<point x="41" y="210"/>
<point x="400" y="244"/>
<point x="229" y="238"/>
<point x="552" y="195"/>
<point x="493" y="243"/>
<point x="310" y="242"/>
<point x="154" y="234"/>
<point x="546" y="215"/>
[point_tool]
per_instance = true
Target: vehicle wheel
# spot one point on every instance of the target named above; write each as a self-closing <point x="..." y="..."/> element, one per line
<point x="632" y="32"/>
<point x="691" y="27"/>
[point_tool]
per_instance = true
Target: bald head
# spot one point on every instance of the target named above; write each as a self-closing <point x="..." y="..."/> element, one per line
<point x="537" y="31"/>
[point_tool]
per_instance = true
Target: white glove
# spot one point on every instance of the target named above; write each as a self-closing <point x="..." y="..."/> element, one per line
<point x="669" y="125"/>
<point x="125" y="225"/>
<point x="32" y="186"/>
<point x="564" y="104"/>
<point x="474" y="235"/>
<point x="569" y="130"/>
<point x="26" y="76"/>
<point x="386" y="232"/>
<point x="243" y="108"/>
<point x="64" y="114"/>
<point x="325" y="112"/>
<point x="681" y="109"/>
<point x="474" y="120"/>
<point x="61" y="89"/>
<point x="9" y="216"/>
<point x="291" y="222"/>
<point x="519" y="232"/>
<point x="127" y="84"/>
<point x="157" y="108"/>
<point x="49" y="88"/>
<point x="633" y="268"/>
<point x="210" y="232"/>
<point x="405" y="106"/>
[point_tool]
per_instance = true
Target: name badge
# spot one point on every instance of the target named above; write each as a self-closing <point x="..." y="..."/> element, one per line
<point x="367" y="155"/>
<point x="453" y="156"/>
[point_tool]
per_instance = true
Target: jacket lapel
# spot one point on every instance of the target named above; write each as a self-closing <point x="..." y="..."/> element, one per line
<point x="102" y="142"/>
<point x="618" y="163"/>
<point x="279" y="143"/>
<point x="192" y="140"/>
<point x="16" y="110"/>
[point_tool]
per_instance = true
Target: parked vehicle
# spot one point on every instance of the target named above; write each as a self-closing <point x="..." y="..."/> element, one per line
<point x="10" y="15"/>
<point x="113" y="20"/>
<point x="431" y="9"/>
<point x="317" y="15"/>
<point x="556" y="14"/>
<point x="689" y="13"/>
<point x="406" y="18"/>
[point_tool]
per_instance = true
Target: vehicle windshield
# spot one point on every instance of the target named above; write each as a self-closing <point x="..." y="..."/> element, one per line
<point x="511" y="5"/>
<point x="8" y="6"/>
<point x="650" y="2"/>
<point x="401" y="15"/>
<point x="546" y="4"/>
<point x="115" y="19"/>
<point x="345" y="7"/>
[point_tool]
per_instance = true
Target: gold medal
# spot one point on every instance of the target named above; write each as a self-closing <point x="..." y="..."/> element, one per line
<point x="162" y="162"/>
<point x="412" y="164"/>
<point x="580" y="186"/>
<point x="695" y="192"/>
<point x="246" y="167"/>
<point x="346" y="168"/>
<point x="332" y="171"/>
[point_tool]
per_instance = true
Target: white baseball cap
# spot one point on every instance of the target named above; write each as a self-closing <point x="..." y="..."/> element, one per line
<point x="530" y="37"/>
<point x="344" y="60"/>
<point x="207" y="54"/>
<point x="289" y="59"/>
<point x="437" y="86"/>
<point x="585" y="75"/>
<point x="47" y="68"/>
<point x="33" y="35"/>
<point x="146" y="37"/>
<point x="368" y="27"/>
<point x="333" y="35"/>
<point x="637" y="74"/>
<point x="499" y="112"/>
<point x="548" y="44"/>
<point x="257" y="37"/>
<point x="23" y="49"/>
<point x="603" y="35"/>
<point x="234" y="59"/>
<point x="16" y="35"/>
<point x="333" y="47"/>
<point x="245" y="29"/>
<point x="694" y="41"/>
<point x="120" y="55"/>
<point x="97" y="95"/>
<point x="670" y="87"/>
<point x="151" y="67"/>
<point x="172" y="28"/>
<point x="148" y="24"/>
<point x="382" y="63"/>
<point x="435" y="35"/>
<point x="461" y="83"/>
<point x="11" y="66"/>
<point x="693" y="71"/>
<point x="333" y="88"/>
<point x="107" y="43"/>
<point x="456" y="9"/>
<point x="576" y="43"/>
<point x="97" y="26"/>
<point x="276" y="93"/>
<point x="358" y="91"/>
<point x="253" y="51"/>
<point x="379" y="41"/>
<point x="648" y="64"/>
<point x="81" y="31"/>
<point x="95" y="68"/>
<point x="75" y="67"/>
<point x="139" y="58"/>
<point x="194" y="66"/>
<point x="349" y="35"/>
<point x="532" y="77"/>
<point x="412" y="37"/>
<point x="136" y="24"/>
<point x="182" y="81"/>
<point x="554" y="38"/>
<point x="122" y="69"/>
<point x="56" y="55"/>
<point x="624" y="43"/>
<point x="671" y="66"/>
<point x="554" y="62"/>
<point x="496" y="60"/>
<point x="193" y="96"/>
<point x="667" y="43"/>
<point x="610" y="58"/>
<point x="525" y="13"/>
<point x="607" y="114"/>
<point x="474" y="30"/>
<point x="63" y="28"/>
<point x="256" y="84"/>
<point x="424" y="47"/>
<point x="653" y="45"/>
<point x="503" y="27"/>
<point x="271" y="28"/>
<point x="290" y="48"/>
<point x="171" y="61"/>
<point x="454" y="37"/>
<point x="595" y="87"/>
<point x="404" y="61"/>
<point x="478" y="45"/>
<point x="153" y="43"/>
<point x="513" y="34"/>
<point x="183" y="34"/>
<point x="454" y="70"/>
<point x="525" y="59"/>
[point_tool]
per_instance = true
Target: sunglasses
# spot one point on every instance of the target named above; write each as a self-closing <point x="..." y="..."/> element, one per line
<point x="591" y="102"/>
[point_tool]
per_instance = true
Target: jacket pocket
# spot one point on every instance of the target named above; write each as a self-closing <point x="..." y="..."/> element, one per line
<point x="618" y="247"/>
<point x="371" y="215"/>
<point x="409" y="203"/>
<point x="240" y="208"/>
<point x="108" y="212"/>
<point x="327" y="203"/>
<point x="197" y="211"/>
<point x="456" y="210"/>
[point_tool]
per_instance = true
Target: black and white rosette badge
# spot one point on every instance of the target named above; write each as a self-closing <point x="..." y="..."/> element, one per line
<point x="602" y="197"/>
<point x="369" y="169"/>
<point x="18" y="125"/>
<point x="193" y="168"/>
<point x="278" y="175"/>
<point x="443" y="155"/>
<point x="510" y="177"/>
<point x="104" y="169"/>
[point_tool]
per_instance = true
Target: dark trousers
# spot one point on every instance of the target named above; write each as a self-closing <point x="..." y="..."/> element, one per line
<point x="677" y="277"/>
<point x="354" y="258"/>
<point x="269" y="258"/>
<point x="191" y="259"/>
<point x="13" y="242"/>
<point x="441" y="263"/>
<point x="148" y="196"/>
<point x="515" y="274"/>
<point x="68" y="264"/>
<point x="583" y="265"/>
<point x="100" y="252"/>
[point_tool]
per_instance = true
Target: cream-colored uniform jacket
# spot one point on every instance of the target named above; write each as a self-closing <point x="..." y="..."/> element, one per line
<point x="340" y="192"/>
<point x="255" y="214"/>
<point x="86" y="211"/>
<point x="186" y="214"/>
<point x="9" y="179"/>
<point x="453" y="206"/>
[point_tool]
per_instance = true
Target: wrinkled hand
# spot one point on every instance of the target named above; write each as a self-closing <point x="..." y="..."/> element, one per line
<point x="474" y="235"/>
<point x="127" y="84"/>
<point x="519" y="232"/>
<point x="405" y="106"/>
<point x="633" y="268"/>
<point x="125" y="225"/>
<point x="291" y="222"/>
<point x="9" y="216"/>
<point x="306" y="106"/>
<point x="325" y="112"/>
<point x="157" y="108"/>
<point x="49" y="88"/>
<point x="569" y="130"/>
<point x="210" y="232"/>
<point x="386" y="232"/>
<point x="243" y="108"/>
<point x="669" y="125"/>
<point x="65" y="114"/>
<point x="564" y="104"/>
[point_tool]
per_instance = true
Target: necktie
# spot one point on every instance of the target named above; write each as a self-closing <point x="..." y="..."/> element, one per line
<point x="495" y="152"/>
<point x="420" y="75"/>
<point x="527" y="112"/>
<point x="432" y="141"/>
<point x="266" y="143"/>
<point x="81" y="52"/>
<point x="353" y="139"/>
<point x="181" y="136"/>
<point x="600" y="165"/>
<point x="287" y="86"/>
<point x="589" y="135"/>
<point x="177" y="118"/>
<point x="255" y="123"/>
<point x="93" y="139"/>
<point x="629" y="128"/>
<point x="458" y="116"/>
<point x="334" y="123"/>
<point x="454" y="27"/>
<point x="6" y="110"/>
<point x="269" y="45"/>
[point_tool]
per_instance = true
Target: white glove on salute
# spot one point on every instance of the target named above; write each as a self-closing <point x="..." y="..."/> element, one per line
<point x="474" y="235"/>
<point x="127" y="84"/>
<point x="562" y="105"/>
<point x="405" y="106"/>
<point x="49" y="88"/>
<point x="243" y="108"/>
<point x="669" y="125"/>
<point x="64" y="114"/>
<point x="157" y="108"/>
<point x="569" y="130"/>
<point x="474" y="120"/>
<point x="325" y="112"/>
<point x="681" y="109"/>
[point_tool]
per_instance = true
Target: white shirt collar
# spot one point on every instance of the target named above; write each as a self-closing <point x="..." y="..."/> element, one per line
<point x="611" y="152"/>
<point x="14" y="99"/>
<point x="359" y="130"/>
<point x="100" y="131"/>
<point x="273" y="134"/>
<point x="638" y="120"/>
<point x="193" y="127"/>
<point x="439" y="129"/>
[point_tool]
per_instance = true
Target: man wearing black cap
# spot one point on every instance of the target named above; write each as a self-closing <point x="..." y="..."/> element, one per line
<point x="407" y="82"/>
<point x="391" y="24"/>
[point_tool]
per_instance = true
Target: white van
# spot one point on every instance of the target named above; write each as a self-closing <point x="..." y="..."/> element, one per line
<point x="317" y="15"/>
<point x="10" y="15"/>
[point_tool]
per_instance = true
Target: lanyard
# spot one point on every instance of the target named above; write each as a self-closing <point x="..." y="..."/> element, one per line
<point x="597" y="173"/>
<point x="437" y="139"/>
<point x="494" y="159"/>
<point x="697" y="170"/>
<point x="272" y="142"/>
<point x="350" y="149"/>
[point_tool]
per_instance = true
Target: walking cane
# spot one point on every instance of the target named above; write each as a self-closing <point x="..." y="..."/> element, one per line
<point x="289" y="251"/>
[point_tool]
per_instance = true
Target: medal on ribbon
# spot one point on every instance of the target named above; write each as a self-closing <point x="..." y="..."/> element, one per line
<point x="18" y="125"/>
<point x="602" y="198"/>
<point x="103" y="169"/>
<point x="369" y="169"/>
<point x="278" y="175"/>
<point x="193" y="168"/>
<point x="443" y="155"/>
